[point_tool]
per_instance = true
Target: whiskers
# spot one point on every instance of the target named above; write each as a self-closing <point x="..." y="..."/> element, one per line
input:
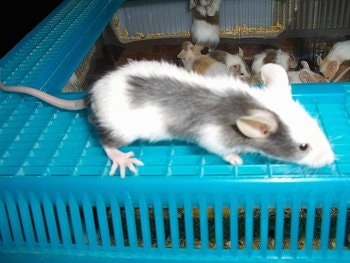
<point x="283" y="169"/>
<point x="333" y="138"/>
<point x="335" y="141"/>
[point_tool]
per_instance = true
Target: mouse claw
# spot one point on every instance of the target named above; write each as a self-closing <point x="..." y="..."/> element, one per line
<point x="113" y="169"/>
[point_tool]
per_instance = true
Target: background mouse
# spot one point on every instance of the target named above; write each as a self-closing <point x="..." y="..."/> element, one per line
<point x="234" y="62"/>
<point x="330" y="64"/>
<point x="305" y="75"/>
<point x="278" y="56"/>
<point x="152" y="100"/>
<point x="205" y="22"/>
<point x="193" y="60"/>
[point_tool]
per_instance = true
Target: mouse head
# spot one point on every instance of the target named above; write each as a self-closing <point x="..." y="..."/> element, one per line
<point x="327" y="67"/>
<point x="237" y="66"/>
<point x="211" y="6"/>
<point x="188" y="49"/>
<point x="194" y="3"/>
<point x="284" y="129"/>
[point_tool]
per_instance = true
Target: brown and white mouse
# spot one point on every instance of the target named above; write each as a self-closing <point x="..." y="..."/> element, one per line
<point x="205" y="27"/>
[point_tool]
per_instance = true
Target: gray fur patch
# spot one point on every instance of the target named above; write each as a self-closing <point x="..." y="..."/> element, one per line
<point x="271" y="55"/>
<point x="218" y="55"/>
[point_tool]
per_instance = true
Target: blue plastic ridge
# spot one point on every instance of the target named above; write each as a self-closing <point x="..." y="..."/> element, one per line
<point x="49" y="54"/>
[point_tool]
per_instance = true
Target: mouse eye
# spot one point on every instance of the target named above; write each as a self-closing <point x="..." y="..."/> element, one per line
<point x="303" y="146"/>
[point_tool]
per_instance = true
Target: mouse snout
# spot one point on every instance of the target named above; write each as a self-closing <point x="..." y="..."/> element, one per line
<point x="319" y="158"/>
<point x="326" y="157"/>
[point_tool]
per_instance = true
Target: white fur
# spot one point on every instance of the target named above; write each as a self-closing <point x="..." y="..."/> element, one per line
<point x="147" y="123"/>
<point x="202" y="32"/>
<point x="144" y="125"/>
<point x="212" y="142"/>
<point x="283" y="59"/>
<point x="217" y="69"/>
<point x="340" y="51"/>
<point x="258" y="62"/>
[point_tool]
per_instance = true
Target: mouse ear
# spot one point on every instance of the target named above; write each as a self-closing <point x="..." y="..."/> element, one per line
<point x="259" y="124"/>
<point x="276" y="79"/>
<point x="186" y="45"/>
<point x="305" y="65"/>
<point x="240" y="52"/>
<point x="197" y="49"/>
<point x="304" y="76"/>
<point x="182" y="54"/>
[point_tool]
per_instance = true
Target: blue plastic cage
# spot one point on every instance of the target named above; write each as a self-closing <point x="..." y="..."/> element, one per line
<point x="58" y="204"/>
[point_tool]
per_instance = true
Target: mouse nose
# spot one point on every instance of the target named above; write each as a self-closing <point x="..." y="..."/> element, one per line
<point x="324" y="157"/>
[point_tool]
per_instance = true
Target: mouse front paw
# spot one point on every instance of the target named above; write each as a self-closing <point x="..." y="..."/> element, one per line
<point x="233" y="159"/>
<point x="122" y="161"/>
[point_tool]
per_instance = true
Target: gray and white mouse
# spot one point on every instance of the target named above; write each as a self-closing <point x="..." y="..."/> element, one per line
<point x="157" y="100"/>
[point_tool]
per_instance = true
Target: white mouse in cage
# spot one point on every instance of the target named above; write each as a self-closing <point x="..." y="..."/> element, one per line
<point x="234" y="62"/>
<point x="157" y="100"/>
<point x="330" y="64"/>
<point x="205" y="27"/>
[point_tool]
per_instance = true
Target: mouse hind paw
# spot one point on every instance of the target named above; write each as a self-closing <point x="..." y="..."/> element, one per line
<point x="122" y="161"/>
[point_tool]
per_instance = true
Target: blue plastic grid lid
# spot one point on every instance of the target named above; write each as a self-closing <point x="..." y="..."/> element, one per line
<point x="262" y="211"/>
<point x="49" y="54"/>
